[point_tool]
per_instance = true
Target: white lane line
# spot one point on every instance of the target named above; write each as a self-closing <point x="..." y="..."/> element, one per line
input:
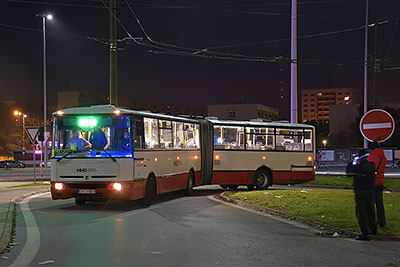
<point x="377" y="125"/>
<point x="32" y="244"/>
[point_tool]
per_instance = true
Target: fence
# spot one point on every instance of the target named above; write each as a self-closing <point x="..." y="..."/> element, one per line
<point x="338" y="158"/>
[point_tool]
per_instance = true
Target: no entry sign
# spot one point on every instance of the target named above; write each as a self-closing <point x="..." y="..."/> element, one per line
<point x="377" y="125"/>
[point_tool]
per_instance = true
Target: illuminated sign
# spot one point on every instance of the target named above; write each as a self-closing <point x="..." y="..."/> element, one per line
<point x="87" y="122"/>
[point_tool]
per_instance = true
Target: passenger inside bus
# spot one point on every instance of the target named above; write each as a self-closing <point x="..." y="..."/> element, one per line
<point x="98" y="138"/>
<point x="77" y="143"/>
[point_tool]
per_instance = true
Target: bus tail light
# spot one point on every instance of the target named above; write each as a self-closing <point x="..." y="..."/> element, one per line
<point x="115" y="186"/>
<point x="315" y="167"/>
<point x="216" y="157"/>
<point x="309" y="159"/>
<point x="59" y="186"/>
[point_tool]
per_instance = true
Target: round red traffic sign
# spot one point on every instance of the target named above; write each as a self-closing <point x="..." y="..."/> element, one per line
<point x="377" y="125"/>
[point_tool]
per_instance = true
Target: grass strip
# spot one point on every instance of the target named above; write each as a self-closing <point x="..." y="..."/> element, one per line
<point x="333" y="207"/>
<point x="390" y="184"/>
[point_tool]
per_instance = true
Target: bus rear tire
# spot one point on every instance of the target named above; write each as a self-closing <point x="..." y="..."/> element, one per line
<point x="262" y="179"/>
<point x="233" y="186"/>
<point x="190" y="183"/>
<point x="150" y="193"/>
<point x="80" y="202"/>
<point x="224" y="186"/>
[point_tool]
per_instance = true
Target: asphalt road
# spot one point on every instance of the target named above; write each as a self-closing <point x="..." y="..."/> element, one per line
<point x="177" y="231"/>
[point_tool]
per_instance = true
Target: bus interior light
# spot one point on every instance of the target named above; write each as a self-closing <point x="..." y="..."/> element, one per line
<point x="115" y="186"/>
<point x="59" y="186"/>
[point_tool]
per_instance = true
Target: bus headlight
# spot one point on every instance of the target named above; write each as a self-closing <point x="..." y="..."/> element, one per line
<point x="115" y="186"/>
<point x="59" y="186"/>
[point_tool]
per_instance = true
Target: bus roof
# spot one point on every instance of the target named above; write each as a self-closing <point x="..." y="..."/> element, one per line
<point x="110" y="109"/>
<point x="261" y="124"/>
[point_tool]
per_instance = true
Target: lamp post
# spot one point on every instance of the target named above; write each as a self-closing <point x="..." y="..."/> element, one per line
<point x="21" y="114"/>
<point x="44" y="18"/>
<point x="324" y="143"/>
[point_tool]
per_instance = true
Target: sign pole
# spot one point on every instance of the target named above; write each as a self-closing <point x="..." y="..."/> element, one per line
<point x="41" y="159"/>
<point x="34" y="164"/>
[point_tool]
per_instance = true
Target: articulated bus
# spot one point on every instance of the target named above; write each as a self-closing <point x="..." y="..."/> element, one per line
<point x="145" y="154"/>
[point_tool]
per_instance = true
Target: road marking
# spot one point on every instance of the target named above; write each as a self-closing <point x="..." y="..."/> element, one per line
<point x="32" y="244"/>
<point x="377" y="125"/>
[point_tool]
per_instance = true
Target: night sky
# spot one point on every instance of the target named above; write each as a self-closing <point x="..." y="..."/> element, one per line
<point x="77" y="63"/>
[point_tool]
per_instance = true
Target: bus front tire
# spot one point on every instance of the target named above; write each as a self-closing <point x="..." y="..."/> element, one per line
<point x="150" y="194"/>
<point x="190" y="183"/>
<point x="80" y="202"/>
<point x="233" y="186"/>
<point x="262" y="179"/>
<point x="224" y="186"/>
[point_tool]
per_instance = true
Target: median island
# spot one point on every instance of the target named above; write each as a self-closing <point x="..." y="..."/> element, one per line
<point x="334" y="208"/>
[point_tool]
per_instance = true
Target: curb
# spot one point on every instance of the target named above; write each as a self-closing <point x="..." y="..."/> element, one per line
<point x="334" y="187"/>
<point x="327" y="230"/>
<point x="8" y="233"/>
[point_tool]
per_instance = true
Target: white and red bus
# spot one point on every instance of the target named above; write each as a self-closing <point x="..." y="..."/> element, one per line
<point x="145" y="154"/>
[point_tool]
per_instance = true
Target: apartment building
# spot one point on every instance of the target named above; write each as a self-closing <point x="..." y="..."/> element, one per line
<point x="315" y="103"/>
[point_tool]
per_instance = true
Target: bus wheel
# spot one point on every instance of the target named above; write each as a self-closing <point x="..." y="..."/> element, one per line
<point x="233" y="186"/>
<point x="262" y="179"/>
<point x="190" y="183"/>
<point x="150" y="194"/>
<point x="250" y="187"/>
<point x="224" y="186"/>
<point x="80" y="202"/>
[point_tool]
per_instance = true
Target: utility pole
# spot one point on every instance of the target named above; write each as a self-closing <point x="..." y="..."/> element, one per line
<point x="113" y="54"/>
<point x="293" y="66"/>
<point x="378" y="65"/>
<point x="366" y="66"/>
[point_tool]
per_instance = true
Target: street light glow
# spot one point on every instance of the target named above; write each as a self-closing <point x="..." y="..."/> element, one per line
<point x="50" y="17"/>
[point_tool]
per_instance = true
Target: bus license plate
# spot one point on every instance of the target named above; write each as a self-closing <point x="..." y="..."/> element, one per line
<point x="87" y="191"/>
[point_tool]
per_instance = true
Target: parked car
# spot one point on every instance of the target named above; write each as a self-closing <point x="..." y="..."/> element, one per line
<point x="11" y="164"/>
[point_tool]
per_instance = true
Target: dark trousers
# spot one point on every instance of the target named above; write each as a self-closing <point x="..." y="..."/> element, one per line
<point x="380" y="209"/>
<point x="365" y="211"/>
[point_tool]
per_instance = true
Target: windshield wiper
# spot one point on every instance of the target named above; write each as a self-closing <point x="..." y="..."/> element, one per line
<point x="113" y="159"/>
<point x="69" y="153"/>
<point x="102" y="149"/>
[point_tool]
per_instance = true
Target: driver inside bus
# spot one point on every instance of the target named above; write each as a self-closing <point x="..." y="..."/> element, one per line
<point x="77" y="143"/>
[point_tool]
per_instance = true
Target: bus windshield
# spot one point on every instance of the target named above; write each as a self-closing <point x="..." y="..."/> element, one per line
<point x="98" y="136"/>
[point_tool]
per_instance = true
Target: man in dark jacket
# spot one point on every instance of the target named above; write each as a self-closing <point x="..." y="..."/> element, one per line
<point x="363" y="173"/>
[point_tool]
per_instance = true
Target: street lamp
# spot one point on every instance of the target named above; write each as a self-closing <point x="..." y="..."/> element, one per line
<point x="324" y="143"/>
<point x="18" y="113"/>
<point x="44" y="18"/>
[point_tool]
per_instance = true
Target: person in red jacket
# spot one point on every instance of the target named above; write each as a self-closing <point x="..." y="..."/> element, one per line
<point x="377" y="156"/>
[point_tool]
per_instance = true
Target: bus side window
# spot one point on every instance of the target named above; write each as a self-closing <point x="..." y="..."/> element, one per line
<point x="138" y="133"/>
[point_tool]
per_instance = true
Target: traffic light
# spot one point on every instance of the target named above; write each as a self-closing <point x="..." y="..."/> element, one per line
<point x="41" y="134"/>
